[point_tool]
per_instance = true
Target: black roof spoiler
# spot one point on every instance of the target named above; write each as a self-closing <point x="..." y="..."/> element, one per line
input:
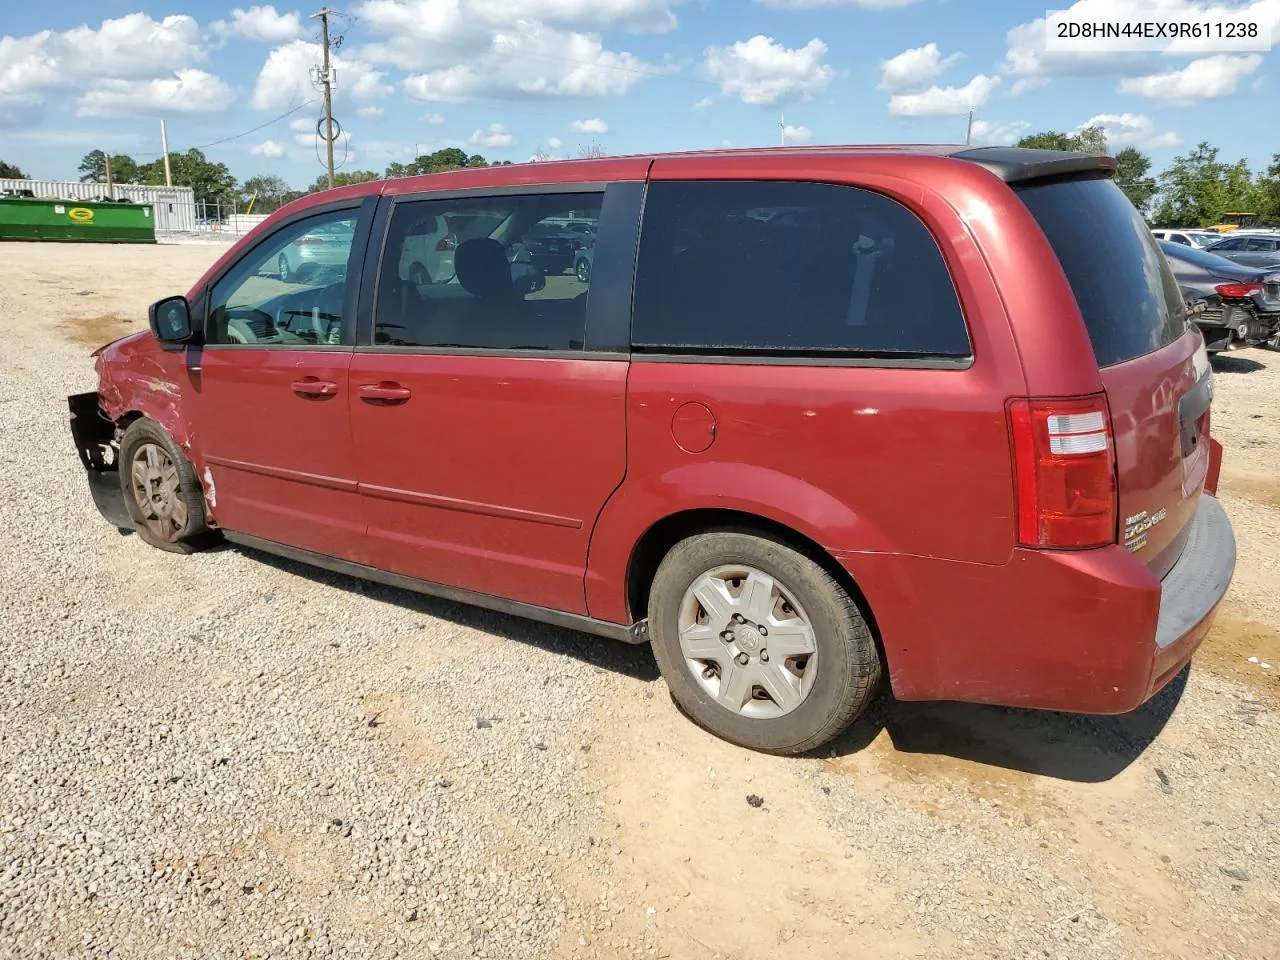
<point x="1018" y="164"/>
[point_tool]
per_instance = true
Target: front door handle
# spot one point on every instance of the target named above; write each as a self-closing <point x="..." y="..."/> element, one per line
<point x="385" y="392"/>
<point x="313" y="387"/>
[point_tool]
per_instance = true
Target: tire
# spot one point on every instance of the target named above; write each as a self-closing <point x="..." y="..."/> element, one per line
<point x="845" y="662"/>
<point x="583" y="271"/>
<point x="173" y="519"/>
<point x="418" y="275"/>
<point x="282" y="263"/>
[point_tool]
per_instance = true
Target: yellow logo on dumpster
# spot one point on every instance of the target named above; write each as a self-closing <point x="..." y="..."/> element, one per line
<point x="80" y="214"/>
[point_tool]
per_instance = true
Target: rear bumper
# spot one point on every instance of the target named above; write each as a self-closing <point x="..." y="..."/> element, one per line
<point x="1191" y="592"/>
<point x="1086" y="632"/>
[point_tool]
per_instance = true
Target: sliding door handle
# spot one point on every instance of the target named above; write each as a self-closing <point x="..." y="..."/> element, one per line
<point x="385" y="392"/>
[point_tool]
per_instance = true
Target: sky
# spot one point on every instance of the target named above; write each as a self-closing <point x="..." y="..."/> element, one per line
<point x="511" y="79"/>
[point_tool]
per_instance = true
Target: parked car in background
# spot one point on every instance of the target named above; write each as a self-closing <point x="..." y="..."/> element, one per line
<point x="583" y="229"/>
<point x="1249" y="248"/>
<point x="582" y="262"/>
<point x="935" y="417"/>
<point x="323" y="249"/>
<point x="426" y="250"/>
<point x="1242" y="303"/>
<point x="1188" y="238"/>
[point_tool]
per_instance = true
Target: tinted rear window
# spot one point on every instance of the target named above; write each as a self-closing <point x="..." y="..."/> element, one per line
<point x="1125" y="289"/>
<point x="790" y="269"/>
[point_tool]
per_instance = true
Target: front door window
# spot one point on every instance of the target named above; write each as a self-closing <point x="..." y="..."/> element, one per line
<point x="289" y="290"/>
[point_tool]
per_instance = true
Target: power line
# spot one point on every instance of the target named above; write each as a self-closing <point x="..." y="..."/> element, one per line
<point x="288" y="113"/>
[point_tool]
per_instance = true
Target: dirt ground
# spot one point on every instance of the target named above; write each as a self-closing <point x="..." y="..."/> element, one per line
<point x="929" y="829"/>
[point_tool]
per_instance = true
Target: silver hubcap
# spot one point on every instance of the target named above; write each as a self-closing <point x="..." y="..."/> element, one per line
<point x="747" y="641"/>
<point x="157" y="489"/>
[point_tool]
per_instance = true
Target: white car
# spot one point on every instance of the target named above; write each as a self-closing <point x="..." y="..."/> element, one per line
<point x="1188" y="238"/>
<point x="327" y="246"/>
<point x="426" y="255"/>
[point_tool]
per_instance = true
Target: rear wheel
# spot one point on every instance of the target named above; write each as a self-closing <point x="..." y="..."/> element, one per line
<point x="583" y="270"/>
<point x="418" y="275"/>
<point x="759" y="644"/>
<point x="161" y="490"/>
<point x="282" y="265"/>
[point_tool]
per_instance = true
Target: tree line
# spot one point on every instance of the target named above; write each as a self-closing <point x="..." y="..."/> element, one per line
<point x="1195" y="190"/>
<point x="214" y="185"/>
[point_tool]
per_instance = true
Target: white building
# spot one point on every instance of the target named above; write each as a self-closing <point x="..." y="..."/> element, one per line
<point x="175" y="207"/>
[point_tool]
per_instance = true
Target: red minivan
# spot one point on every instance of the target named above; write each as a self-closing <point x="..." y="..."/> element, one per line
<point x="814" y="418"/>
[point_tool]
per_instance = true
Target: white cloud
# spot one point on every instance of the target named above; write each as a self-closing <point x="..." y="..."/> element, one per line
<point x="262" y="24"/>
<point x="1202" y="79"/>
<point x="915" y="67"/>
<point x="816" y="4"/>
<point x="987" y="133"/>
<point x="370" y="112"/>
<point x="702" y="104"/>
<point x="285" y="78"/>
<point x="270" y="149"/>
<point x="944" y="101"/>
<point x="763" y="71"/>
<point x="594" y="125"/>
<point x="530" y="62"/>
<point x="434" y="119"/>
<point x="554" y="143"/>
<point x="188" y="91"/>
<point x="459" y="50"/>
<point x="796" y="133"/>
<point x="80" y="60"/>
<point x="1131" y="130"/>
<point x="495" y="138"/>
<point x="1026" y="85"/>
<point x="638" y="16"/>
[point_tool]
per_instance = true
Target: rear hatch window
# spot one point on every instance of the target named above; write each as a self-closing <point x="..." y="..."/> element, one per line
<point x="1126" y="292"/>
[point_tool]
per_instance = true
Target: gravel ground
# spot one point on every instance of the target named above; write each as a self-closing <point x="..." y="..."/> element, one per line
<point x="228" y="755"/>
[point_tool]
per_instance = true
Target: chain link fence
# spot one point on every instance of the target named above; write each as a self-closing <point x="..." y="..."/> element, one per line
<point x="217" y="218"/>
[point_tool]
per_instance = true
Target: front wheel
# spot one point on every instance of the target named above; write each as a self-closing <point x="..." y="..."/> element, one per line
<point x="583" y="270"/>
<point x="759" y="644"/>
<point x="282" y="265"/>
<point x="161" y="489"/>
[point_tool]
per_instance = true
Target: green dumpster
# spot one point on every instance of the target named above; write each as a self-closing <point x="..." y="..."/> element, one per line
<point x="96" y="221"/>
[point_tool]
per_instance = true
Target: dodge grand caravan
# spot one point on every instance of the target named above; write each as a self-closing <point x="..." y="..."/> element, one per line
<point x="821" y="418"/>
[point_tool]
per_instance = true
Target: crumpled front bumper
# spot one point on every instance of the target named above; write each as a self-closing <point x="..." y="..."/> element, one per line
<point x="94" y="437"/>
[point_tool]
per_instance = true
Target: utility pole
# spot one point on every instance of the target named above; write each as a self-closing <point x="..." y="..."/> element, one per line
<point x="164" y="147"/>
<point x="323" y="17"/>
<point x="968" y="131"/>
<point x="106" y="159"/>
<point x="782" y="128"/>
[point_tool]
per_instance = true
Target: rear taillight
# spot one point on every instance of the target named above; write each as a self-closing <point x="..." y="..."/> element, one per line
<point x="1238" y="290"/>
<point x="1064" y="469"/>
<point x="307" y="241"/>
<point x="447" y="242"/>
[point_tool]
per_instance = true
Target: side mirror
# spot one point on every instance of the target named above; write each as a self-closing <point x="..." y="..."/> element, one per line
<point x="170" y="320"/>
